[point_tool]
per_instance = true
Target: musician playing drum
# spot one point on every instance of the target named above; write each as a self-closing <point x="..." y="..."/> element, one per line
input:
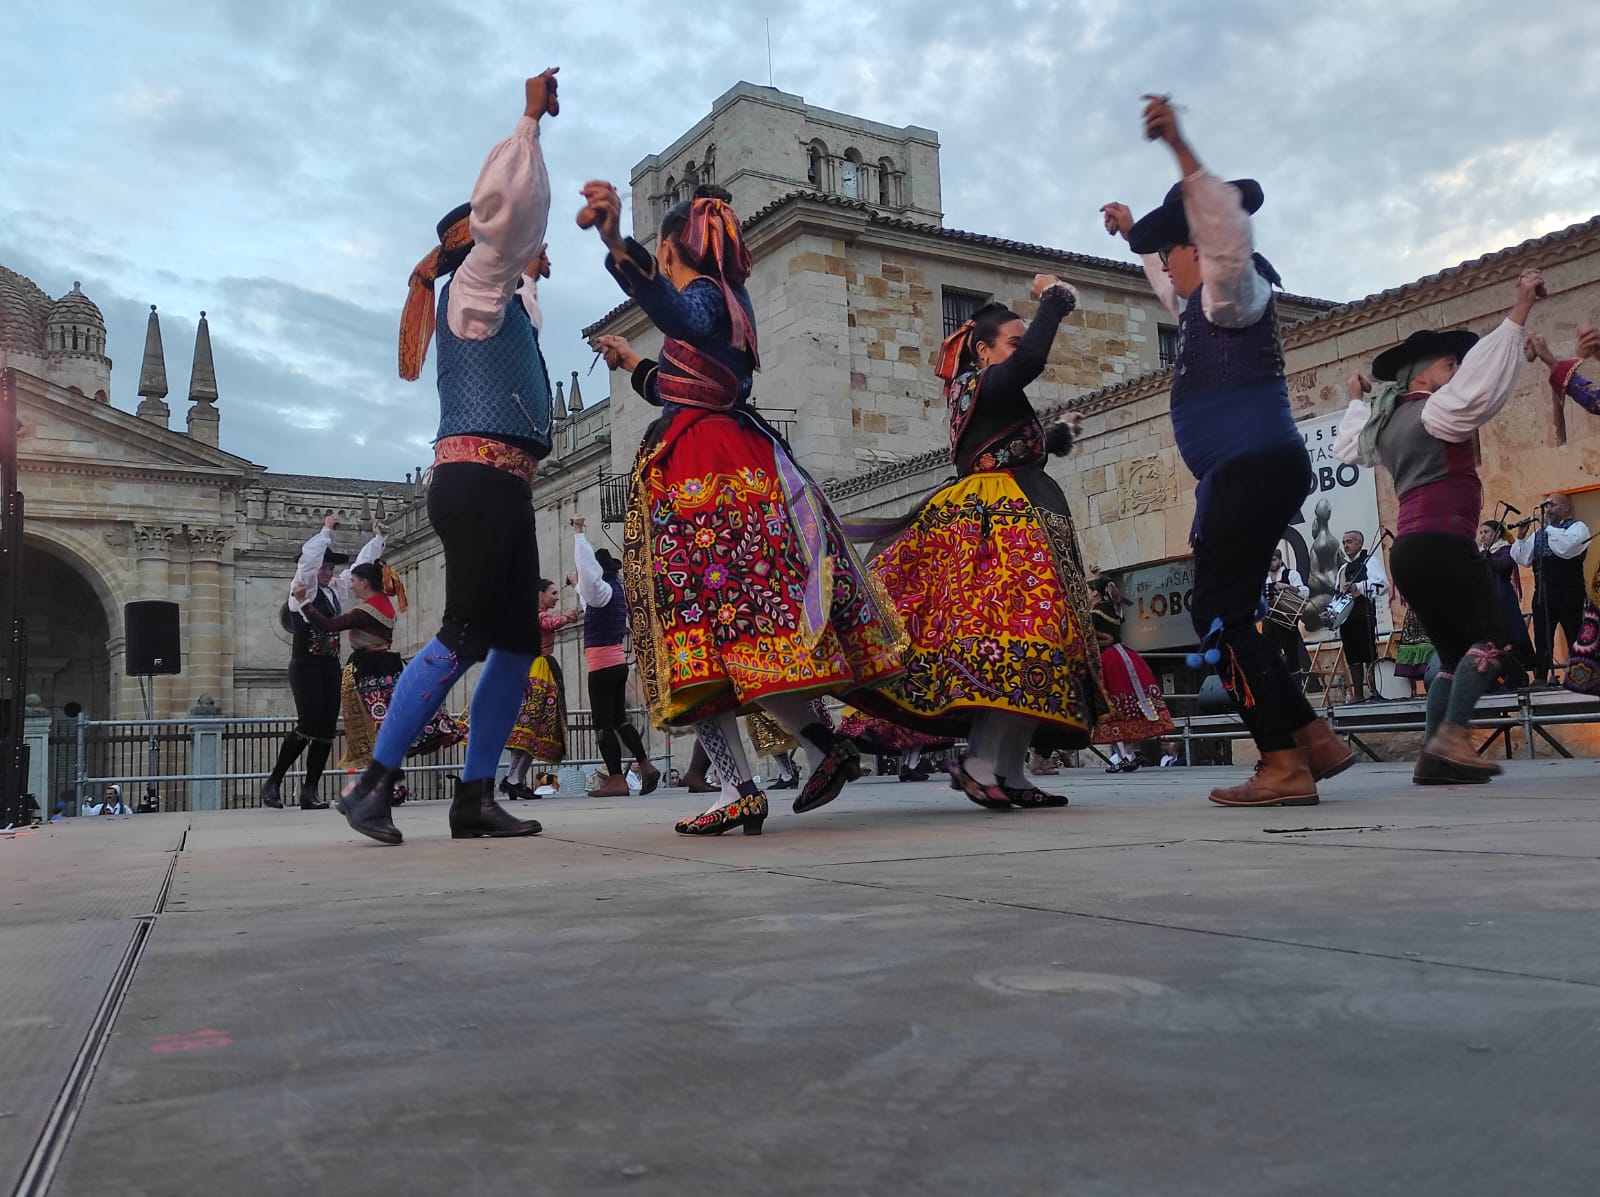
<point x="1361" y="578"/>
<point x="1286" y="593"/>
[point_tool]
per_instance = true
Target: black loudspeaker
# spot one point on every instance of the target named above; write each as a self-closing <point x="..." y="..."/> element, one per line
<point x="150" y="629"/>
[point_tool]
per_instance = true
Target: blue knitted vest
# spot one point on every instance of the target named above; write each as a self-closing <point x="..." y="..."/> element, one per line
<point x="1229" y="398"/>
<point x="497" y="387"/>
<point x="608" y="625"/>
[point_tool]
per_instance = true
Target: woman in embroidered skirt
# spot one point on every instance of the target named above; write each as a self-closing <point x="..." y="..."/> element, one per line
<point x="540" y="732"/>
<point x="1138" y="711"/>
<point x="986" y="573"/>
<point x="1413" y="654"/>
<point x="742" y="589"/>
<point x="367" y="685"/>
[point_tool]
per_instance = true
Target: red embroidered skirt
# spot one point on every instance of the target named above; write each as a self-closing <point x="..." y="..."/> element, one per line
<point x="715" y="575"/>
<point x="1138" y="711"/>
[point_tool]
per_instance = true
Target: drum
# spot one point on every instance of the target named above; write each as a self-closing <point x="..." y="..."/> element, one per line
<point x="1287" y="608"/>
<point x="1338" y="610"/>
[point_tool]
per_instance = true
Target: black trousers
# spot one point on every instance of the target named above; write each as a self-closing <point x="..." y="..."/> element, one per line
<point x="1291" y="645"/>
<point x="1447" y="583"/>
<point x="484" y="518"/>
<point x="608" y="705"/>
<point x="1564" y="611"/>
<point x="1250" y="502"/>
<point x="1359" y="633"/>
<point x="315" y="685"/>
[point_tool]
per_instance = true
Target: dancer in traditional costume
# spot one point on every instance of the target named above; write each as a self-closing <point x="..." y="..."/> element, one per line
<point x="1440" y="388"/>
<point x="540" y="732"/>
<point x="1138" y="710"/>
<point x="494" y="426"/>
<point x="314" y="660"/>
<point x="1231" y="420"/>
<point x="1555" y="554"/>
<point x="916" y="750"/>
<point x="1413" y="653"/>
<point x="986" y="572"/>
<point x="1495" y="549"/>
<point x="605" y="628"/>
<point x="742" y="590"/>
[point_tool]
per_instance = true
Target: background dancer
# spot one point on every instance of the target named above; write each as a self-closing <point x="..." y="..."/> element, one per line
<point x="366" y="687"/>
<point x="1555" y="553"/>
<point x="494" y="426"/>
<point x="715" y="490"/>
<point x="1138" y="709"/>
<point x="986" y="572"/>
<point x="540" y="731"/>
<point x="1441" y="387"/>
<point x="1230" y="417"/>
<point x="314" y="660"/>
<point x="605" y="627"/>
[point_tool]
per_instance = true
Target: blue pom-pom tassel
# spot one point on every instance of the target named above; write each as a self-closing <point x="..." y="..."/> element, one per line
<point x="1210" y="653"/>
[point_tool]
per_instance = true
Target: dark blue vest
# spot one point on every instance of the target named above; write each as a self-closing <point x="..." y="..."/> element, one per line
<point x="608" y="625"/>
<point x="497" y="387"/>
<point x="1557" y="577"/>
<point x="1229" y="397"/>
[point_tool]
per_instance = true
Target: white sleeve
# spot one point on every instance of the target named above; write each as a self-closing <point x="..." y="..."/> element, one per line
<point x="1480" y="387"/>
<point x="593" y="589"/>
<point x="1522" y="551"/>
<point x="510" y="213"/>
<point x="1160" y="283"/>
<point x="1377" y="580"/>
<point x="1571" y="541"/>
<point x="305" y="570"/>
<point x="1347" y="440"/>
<point x="1233" y="293"/>
<point x="1298" y="584"/>
<point x="370" y="552"/>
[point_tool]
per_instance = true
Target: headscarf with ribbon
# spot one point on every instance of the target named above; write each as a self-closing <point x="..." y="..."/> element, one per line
<point x="1385" y="399"/>
<point x="712" y="235"/>
<point x="417" y="319"/>
<point x="951" y="351"/>
<point x="394" y="588"/>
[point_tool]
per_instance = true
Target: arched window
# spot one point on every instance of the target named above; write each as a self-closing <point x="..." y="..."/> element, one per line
<point x="850" y="174"/>
<point x="708" y="164"/>
<point x="817" y="165"/>
<point x="74" y="338"/>
<point x="691" y="177"/>
<point x="886" y="182"/>
<point x="100" y="397"/>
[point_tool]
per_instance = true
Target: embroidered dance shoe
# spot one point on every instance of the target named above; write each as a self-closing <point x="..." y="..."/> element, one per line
<point x="649" y="776"/>
<point x="1449" y="759"/>
<point x="1283" y="779"/>
<point x="272" y="794"/>
<point x="474" y="814"/>
<point x="841" y="766"/>
<point x="990" y="797"/>
<point x="1326" y="754"/>
<point x="309" y="799"/>
<point x="748" y="811"/>
<point x="614" y="786"/>
<point x="365" y="805"/>
<point x="1031" y="797"/>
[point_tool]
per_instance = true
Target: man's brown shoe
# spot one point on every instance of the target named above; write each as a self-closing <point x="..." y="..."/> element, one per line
<point x="1283" y="779"/>
<point x="1326" y="754"/>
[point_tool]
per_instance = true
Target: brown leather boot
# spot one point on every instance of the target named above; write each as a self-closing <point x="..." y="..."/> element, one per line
<point x="1282" y="779"/>
<point x="614" y="786"/>
<point x="1449" y="758"/>
<point x="1326" y="753"/>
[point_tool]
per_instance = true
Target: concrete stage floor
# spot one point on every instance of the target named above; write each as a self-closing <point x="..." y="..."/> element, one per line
<point x="1397" y="992"/>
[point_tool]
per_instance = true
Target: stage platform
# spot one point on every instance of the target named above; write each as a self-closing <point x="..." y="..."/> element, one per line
<point x="1396" y="992"/>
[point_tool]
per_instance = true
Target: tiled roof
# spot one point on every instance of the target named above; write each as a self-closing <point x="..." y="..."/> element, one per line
<point x="317" y="484"/>
<point x="874" y="216"/>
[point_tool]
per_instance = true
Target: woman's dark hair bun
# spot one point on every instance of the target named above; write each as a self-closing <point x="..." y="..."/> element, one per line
<point x="713" y="191"/>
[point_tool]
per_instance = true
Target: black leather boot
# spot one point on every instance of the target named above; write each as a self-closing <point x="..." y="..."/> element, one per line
<point x="365" y="805"/>
<point x="271" y="794"/>
<point x="475" y="813"/>
<point x="309" y="799"/>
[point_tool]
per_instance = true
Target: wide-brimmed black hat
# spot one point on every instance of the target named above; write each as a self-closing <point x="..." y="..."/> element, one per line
<point x="608" y="563"/>
<point x="1168" y="225"/>
<point x="334" y="557"/>
<point x="1424" y="345"/>
<point x="452" y="253"/>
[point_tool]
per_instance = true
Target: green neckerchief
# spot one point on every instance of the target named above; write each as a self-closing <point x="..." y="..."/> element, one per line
<point x="1383" y="403"/>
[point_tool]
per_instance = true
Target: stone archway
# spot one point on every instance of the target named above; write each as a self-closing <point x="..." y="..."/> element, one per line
<point x="69" y="634"/>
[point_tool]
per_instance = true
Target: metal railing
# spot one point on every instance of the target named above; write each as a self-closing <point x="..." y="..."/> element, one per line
<point x="209" y="764"/>
<point x="613" y="498"/>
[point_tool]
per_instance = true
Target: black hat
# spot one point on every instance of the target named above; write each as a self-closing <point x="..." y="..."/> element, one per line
<point x="608" y="563"/>
<point x="450" y="256"/>
<point x="1168" y="225"/>
<point x="1424" y="345"/>
<point x="332" y="557"/>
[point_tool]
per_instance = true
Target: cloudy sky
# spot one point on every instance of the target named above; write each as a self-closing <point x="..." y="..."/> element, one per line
<point x="281" y="165"/>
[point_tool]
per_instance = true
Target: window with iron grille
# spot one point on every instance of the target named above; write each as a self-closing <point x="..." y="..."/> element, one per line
<point x="959" y="306"/>
<point x="1167" y="337"/>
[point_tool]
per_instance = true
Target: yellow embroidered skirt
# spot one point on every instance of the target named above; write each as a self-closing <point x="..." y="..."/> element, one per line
<point x="541" y="727"/>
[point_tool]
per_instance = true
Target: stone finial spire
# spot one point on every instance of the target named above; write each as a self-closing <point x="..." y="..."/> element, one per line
<point x="153" y="375"/>
<point x="203" y="418"/>
<point x="575" y="396"/>
<point x="561" y="403"/>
